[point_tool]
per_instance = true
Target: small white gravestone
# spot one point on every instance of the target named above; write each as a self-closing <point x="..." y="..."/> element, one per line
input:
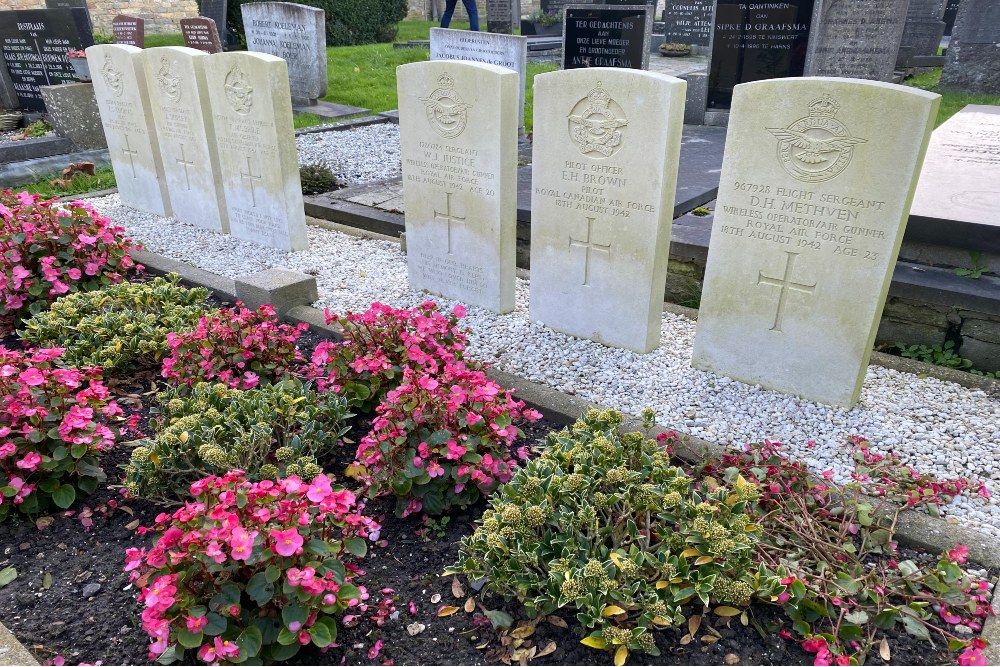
<point x="816" y="187"/>
<point x="510" y="51"/>
<point x="179" y="100"/>
<point x="122" y="99"/>
<point x="255" y="140"/>
<point x="458" y="135"/>
<point x="606" y="146"/>
<point x="296" y="33"/>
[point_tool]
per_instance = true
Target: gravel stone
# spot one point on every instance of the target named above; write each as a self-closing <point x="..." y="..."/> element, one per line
<point x="366" y="154"/>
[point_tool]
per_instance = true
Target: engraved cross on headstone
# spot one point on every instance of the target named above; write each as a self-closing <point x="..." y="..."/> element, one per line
<point x="589" y="245"/>
<point x="449" y="216"/>
<point x="131" y="154"/>
<point x="248" y="175"/>
<point x="187" y="163"/>
<point x="786" y="284"/>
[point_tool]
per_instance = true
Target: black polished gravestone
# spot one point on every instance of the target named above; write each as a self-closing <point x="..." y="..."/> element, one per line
<point x="72" y="4"/>
<point x="756" y="41"/>
<point x="950" y="12"/>
<point x="603" y="36"/>
<point x="689" y="22"/>
<point x="33" y="44"/>
<point x="216" y="10"/>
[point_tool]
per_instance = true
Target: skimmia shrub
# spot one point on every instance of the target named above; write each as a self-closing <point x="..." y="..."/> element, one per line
<point x="442" y="440"/>
<point x="250" y="571"/>
<point x="48" y="249"/>
<point x="118" y="327"/>
<point x="601" y="524"/>
<point x="239" y="347"/>
<point x="51" y="431"/>
<point x="379" y="343"/>
<point x="269" y="431"/>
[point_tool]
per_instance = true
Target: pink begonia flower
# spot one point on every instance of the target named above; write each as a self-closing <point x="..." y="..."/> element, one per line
<point x="286" y="542"/>
<point x="87" y="239"/>
<point x="226" y="648"/>
<point x="206" y="653"/>
<point x="428" y="383"/>
<point x="196" y="623"/>
<point x="31" y="377"/>
<point x="434" y="469"/>
<point x="74" y="273"/>
<point x="458" y="311"/>
<point x="30" y="461"/>
<point x="319" y="488"/>
<point x="375" y="649"/>
<point x="241" y="543"/>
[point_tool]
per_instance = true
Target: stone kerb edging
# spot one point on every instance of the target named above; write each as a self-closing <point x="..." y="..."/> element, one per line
<point x="913" y="528"/>
<point x="343" y="125"/>
<point x="12" y="652"/>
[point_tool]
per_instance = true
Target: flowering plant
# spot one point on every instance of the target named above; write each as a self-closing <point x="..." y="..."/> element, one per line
<point x="443" y="439"/>
<point x="379" y="343"/>
<point x="250" y="571"/>
<point x="49" y="431"/>
<point x="49" y="249"/>
<point x="238" y="347"/>
<point x="76" y="53"/>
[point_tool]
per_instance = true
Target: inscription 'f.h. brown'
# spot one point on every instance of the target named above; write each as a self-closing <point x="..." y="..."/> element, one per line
<point x="131" y="154"/>
<point x="449" y="216"/>
<point x="248" y="176"/>
<point x="187" y="163"/>
<point x="786" y="284"/>
<point x="589" y="245"/>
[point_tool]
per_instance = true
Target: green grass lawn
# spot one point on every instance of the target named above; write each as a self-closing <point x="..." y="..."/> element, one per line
<point x="102" y="179"/>
<point x="951" y="102"/>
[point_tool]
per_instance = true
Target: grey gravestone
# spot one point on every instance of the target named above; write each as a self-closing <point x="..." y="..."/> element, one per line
<point x="295" y="33"/>
<point x="604" y="36"/>
<point x="950" y="12"/>
<point x="34" y="44"/>
<point x="72" y="4"/>
<point x="129" y="30"/>
<point x="974" y="52"/>
<point x="216" y="10"/>
<point x="73" y="113"/>
<point x="689" y="22"/>
<point x="553" y="6"/>
<point x="857" y="39"/>
<point x="499" y="16"/>
<point x="201" y="33"/>
<point x="922" y="32"/>
<point x="766" y="42"/>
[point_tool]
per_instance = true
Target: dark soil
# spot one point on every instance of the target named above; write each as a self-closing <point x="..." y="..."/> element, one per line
<point x="71" y="597"/>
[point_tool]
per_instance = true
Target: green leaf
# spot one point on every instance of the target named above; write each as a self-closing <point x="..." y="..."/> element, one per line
<point x="915" y="627"/>
<point x="330" y="624"/>
<point x="357" y="546"/>
<point x="7" y="575"/>
<point x="250" y="642"/>
<point x="78" y="450"/>
<point x="499" y="619"/>
<point x="859" y="617"/>
<point x="189" y="639"/>
<point x="272" y="573"/>
<point x="228" y="596"/>
<point x="281" y="652"/>
<point x="847" y="583"/>
<point x="216" y="624"/>
<point x="320" y="635"/>
<point x="318" y="547"/>
<point x="260" y="589"/>
<point x="292" y="613"/>
<point x="169" y="656"/>
<point x="64" y="496"/>
<point x="286" y="637"/>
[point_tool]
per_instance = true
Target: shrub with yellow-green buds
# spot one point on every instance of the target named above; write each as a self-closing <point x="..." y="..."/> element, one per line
<point x="623" y="530"/>
<point x="269" y="431"/>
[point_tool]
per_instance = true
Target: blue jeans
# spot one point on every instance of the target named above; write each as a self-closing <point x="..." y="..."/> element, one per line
<point x="470" y="8"/>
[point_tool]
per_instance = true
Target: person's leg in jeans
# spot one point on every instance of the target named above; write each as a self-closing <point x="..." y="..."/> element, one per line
<point x="473" y="12"/>
<point x="449" y="9"/>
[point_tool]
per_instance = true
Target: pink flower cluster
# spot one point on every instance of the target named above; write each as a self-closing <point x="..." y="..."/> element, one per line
<point x="238" y="347"/>
<point x="49" y="249"/>
<point x="216" y="550"/>
<point x="442" y="439"/>
<point x="382" y="341"/>
<point x="37" y="399"/>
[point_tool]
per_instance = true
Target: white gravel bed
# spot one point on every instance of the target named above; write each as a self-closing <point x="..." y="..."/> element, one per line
<point x="362" y="155"/>
<point x="933" y="425"/>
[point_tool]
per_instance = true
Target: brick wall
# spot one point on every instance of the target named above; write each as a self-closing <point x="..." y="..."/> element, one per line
<point x="421" y="9"/>
<point x="160" y="15"/>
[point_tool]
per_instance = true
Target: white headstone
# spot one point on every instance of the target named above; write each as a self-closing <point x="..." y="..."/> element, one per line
<point x="510" y="51"/>
<point x="816" y="187"/>
<point x="296" y="33"/>
<point x="179" y="100"/>
<point x="458" y="133"/>
<point x="122" y="99"/>
<point x="606" y="146"/>
<point x="255" y="139"/>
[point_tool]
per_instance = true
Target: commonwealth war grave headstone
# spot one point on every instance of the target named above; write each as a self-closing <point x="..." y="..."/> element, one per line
<point x="857" y="39"/>
<point x="295" y="33"/>
<point x="33" y="44"/>
<point x="605" y="36"/>
<point x="458" y="137"/>
<point x="754" y="42"/>
<point x="201" y="33"/>
<point x="689" y="22"/>
<point x="179" y="100"/>
<point x="129" y="30"/>
<point x="123" y="99"/>
<point x="812" y="205"/>
<point x="255" y="139"/>
<point x="974" y="52"/>
<point x="217" y="10"/>
<point x="510" y="51"/>
<point x="960" y="181"/>
<point x="606" y="148"/>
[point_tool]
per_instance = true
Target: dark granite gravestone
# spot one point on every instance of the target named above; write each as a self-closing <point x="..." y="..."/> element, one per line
<point x="216" y="10"/>
<point x="858" y="39"/>
<point x="753" y="42"/>
<point x="950" y="12"/>
<point x="200" y="33"/>
<point x="129" y="30"/>
<point x="974" y="52"/>
<point x="922" y="33"/>
<point x="72" y="4"/>
<point x="689" y="22"/>
<point x="34" y="42"/>
<point x="499" y="16"/>
<point x="603" y="36"/>
<point x="553" y="6"/>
